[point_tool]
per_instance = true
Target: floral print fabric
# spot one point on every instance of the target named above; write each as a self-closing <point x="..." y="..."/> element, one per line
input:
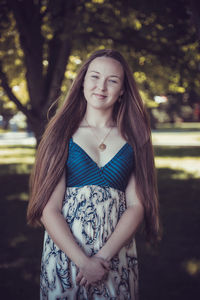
<point x="92" y="213"/>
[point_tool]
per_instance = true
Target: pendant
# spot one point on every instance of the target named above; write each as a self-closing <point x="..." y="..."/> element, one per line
<point x="102" y="147"/>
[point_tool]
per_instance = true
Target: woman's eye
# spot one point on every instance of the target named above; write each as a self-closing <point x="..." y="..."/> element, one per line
<point x="95" y="76"/>
<point x="112" y="81"/>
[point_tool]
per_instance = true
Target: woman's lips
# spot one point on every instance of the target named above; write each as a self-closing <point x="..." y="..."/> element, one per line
<point x="100" y="96"/>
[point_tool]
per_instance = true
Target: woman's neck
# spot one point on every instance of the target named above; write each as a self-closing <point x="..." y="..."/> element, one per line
<point x="98" y="119"/>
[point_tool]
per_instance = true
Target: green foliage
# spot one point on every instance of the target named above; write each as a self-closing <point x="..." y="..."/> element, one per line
<point x="41" y="42"/>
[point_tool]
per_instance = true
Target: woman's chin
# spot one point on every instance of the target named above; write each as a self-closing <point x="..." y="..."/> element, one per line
<point x="99" y="106"/>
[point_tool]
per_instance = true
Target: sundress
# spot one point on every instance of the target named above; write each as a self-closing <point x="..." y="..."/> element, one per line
<point x="93" y="204"/>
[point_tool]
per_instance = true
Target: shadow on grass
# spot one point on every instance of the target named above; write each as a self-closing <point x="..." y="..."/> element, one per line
<point x="184" y="127"/>
<point x="20" y="245"/>
<point x="179" y="151"/>
<point x="17" y="146"/>
<point x="172" y="269"/>
<point x="164" y="271"/>
<point x="16" y="168"/>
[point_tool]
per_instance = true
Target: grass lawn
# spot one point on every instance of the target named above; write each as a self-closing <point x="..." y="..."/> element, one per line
<point x="184" y="126"/>
<point x="171" y="271"/>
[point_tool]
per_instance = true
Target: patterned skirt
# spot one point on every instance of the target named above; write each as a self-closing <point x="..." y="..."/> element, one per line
<point x="92" y="213"/>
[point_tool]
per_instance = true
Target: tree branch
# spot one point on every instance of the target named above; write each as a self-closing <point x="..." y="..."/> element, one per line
<point x="59" y="48"/>
<point x="28" y="21"/>
<point x="11" y="96"/>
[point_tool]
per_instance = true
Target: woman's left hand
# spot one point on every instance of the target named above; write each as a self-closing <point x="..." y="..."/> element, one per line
<point x="81" y="279"/>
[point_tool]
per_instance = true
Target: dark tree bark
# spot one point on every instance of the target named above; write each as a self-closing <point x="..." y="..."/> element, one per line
<point x="43" y="87"/>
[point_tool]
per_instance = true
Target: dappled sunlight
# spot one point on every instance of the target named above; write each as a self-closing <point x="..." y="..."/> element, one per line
<point x="20" y="168"/>
<point x="178" y="151"/>
<point x="17" y="240"/>
<point x="176" y="138"/>
<point x="29" y="276"/>
<point x="13" y="264"/>
<point x="192" y="267"/>
<point x="17" y="160"/>
<point x="189" y="166"/>
<point x="19" y="196"/>
<point x="181" y="127"/>
<point x="16" y="155"/>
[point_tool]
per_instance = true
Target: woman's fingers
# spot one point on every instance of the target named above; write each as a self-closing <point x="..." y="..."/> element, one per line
<point x="79" y="277"/>
<point x="83" y="281"/>
<point x="106" y="264"/>
<point x="87" y="285"/>
<point x="93" y="272"/>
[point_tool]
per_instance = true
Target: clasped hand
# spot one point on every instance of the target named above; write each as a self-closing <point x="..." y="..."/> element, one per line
<point x="94" y="270"/>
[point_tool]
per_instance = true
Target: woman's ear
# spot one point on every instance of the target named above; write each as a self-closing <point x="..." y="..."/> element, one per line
<point x="121" y="92"/>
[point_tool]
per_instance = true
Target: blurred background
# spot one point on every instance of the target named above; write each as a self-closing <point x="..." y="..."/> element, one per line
<point x="42" y="45"/>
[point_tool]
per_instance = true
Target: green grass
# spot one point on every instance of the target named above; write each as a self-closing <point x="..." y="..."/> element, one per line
<point x="171" y="271"/>
<point x="185" y="126"/>
<point x="183" y="159"/>
<point x="16" y="159"/>
<point x="189" y="138"/>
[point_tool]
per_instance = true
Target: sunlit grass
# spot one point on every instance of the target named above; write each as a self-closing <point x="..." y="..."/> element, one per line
<point x="16" y="160"/>
<point x="190" y="166"/>
<point x="16" y="155"/>
<point x="6" y="160"/>
<point x="174" y="138"/>
<point x="20" y="159"/>
<point x="179" y="126"/>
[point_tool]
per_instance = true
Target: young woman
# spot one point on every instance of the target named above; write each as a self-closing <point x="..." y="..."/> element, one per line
<point x="93" y="184"/>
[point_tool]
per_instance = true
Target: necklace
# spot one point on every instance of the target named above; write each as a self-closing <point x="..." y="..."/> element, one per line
<point x="102" y="146"/>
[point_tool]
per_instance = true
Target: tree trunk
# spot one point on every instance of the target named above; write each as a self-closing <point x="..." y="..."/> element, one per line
<point x="38" y="128"/>
<point x="44" y="88"/>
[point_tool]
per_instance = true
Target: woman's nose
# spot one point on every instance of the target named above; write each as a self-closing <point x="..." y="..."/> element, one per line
<point x="102" y="85"/>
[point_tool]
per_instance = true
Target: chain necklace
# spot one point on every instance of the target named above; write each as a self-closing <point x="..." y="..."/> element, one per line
<point x="102" y="146"/>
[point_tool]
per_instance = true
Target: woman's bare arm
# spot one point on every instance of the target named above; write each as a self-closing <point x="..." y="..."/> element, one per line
<point x="127" y="225"/>
<point x="92" y="268"/>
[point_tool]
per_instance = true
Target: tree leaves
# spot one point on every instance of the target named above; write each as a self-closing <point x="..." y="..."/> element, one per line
<point x="158" y="38"/>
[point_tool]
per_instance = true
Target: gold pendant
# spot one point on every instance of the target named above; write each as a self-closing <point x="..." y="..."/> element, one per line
<point x="102" y="146"/>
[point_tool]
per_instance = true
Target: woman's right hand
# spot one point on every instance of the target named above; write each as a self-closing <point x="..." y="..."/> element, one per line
<point x="93" y="270"/>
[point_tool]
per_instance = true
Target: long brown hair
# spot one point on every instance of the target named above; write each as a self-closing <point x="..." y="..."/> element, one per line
<point x="132" y="121"/>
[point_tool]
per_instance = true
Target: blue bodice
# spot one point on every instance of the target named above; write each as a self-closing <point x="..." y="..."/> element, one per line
<point x="82" y="170"/>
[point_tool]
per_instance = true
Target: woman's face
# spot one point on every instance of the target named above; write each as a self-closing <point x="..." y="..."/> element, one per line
<point x="103" y="83"/>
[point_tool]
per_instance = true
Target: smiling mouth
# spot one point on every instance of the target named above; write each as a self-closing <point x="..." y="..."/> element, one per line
<point x="100" y="96"/>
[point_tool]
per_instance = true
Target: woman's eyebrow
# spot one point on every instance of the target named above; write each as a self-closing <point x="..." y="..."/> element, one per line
<point x="117" y="76"/>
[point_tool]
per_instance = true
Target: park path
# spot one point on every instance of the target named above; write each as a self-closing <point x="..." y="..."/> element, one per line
<point x="159" y="138"/>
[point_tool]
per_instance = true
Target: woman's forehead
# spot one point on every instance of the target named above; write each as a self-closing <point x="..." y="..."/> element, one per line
<point x="106" y="65"/>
